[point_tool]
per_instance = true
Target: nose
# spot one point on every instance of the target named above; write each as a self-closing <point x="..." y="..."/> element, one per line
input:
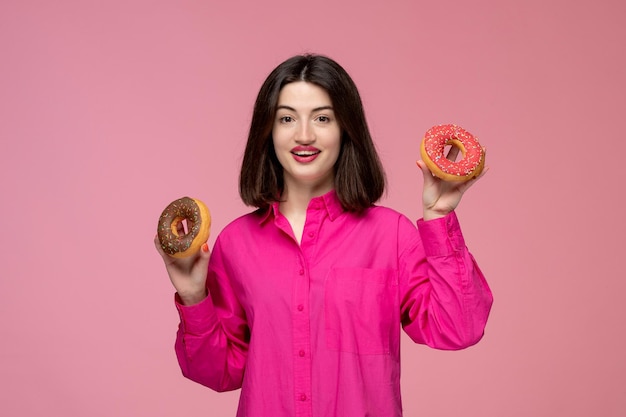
<point x="305" y="133"/>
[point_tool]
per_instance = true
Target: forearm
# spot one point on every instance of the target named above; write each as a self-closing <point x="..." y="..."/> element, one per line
<point x="446" y="300"/>
<point x="207" y="353"/>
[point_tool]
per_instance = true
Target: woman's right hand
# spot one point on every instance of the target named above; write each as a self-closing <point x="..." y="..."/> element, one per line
<point x="188" y="275"/>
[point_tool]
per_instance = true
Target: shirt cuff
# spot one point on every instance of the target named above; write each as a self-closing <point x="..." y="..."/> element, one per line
<point x="441" y="236"/>
<point x="197" y="318"/>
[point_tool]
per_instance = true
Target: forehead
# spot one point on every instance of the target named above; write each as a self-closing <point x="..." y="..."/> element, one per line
<point x="302" y="94"/>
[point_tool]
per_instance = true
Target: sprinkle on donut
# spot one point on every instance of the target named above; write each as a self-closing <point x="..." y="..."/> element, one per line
<point x="432" y="150"/>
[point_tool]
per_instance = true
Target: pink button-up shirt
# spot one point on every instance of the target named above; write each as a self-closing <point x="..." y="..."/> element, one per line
<point x="314" y="329"/>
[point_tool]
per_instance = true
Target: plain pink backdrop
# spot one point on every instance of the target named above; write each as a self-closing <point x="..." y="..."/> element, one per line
<point x="111" y="109"/>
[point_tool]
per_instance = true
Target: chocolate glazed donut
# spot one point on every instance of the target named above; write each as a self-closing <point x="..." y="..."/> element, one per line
<point x="196" y="213"/>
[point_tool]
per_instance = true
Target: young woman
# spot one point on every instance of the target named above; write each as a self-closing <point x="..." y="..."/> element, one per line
<point x="304" y="298"/>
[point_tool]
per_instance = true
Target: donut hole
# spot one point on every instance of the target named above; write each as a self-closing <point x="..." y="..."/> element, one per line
<point x="185" y="226"/>
<point x="180" y="227"/>
<point x="454" y="150"/>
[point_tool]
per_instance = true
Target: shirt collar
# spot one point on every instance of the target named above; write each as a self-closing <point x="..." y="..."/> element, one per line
<point x="329" y="202"/>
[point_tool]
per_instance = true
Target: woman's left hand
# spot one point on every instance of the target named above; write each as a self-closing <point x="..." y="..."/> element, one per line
<point x="441" y="197"/>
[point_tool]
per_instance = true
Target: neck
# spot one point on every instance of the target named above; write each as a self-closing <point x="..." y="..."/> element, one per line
<point x="296" y="201"/>
<point x="296" y="197"/>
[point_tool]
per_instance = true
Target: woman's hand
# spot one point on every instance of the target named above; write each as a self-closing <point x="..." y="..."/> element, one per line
<point x="441" y="197"/>
<point x="188" y="275"/>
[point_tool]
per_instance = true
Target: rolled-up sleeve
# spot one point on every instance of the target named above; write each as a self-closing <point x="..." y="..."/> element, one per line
<point x="445" y="299"/>
<point x="212" y="338"/>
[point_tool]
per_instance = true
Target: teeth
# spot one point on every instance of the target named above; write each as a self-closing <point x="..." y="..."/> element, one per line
<point x="306" y="153"/>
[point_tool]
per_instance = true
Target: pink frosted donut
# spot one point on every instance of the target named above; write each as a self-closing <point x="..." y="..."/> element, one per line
<point x="432" y="151"/>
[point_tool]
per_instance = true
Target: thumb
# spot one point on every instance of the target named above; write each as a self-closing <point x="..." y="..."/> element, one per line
<point x="201" y="264"/>
<point x="205" y="252"/>
<point x="203" y="255"/>
<point x="426" y="173"/>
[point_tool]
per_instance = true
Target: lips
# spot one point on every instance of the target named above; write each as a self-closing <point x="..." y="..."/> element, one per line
<point x="305" y="153"/>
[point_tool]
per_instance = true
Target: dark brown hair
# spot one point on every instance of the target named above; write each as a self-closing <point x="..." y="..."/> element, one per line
<point x="359" y="176"/>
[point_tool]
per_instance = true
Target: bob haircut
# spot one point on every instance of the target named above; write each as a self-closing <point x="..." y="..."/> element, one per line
<point x="359" y="177"/>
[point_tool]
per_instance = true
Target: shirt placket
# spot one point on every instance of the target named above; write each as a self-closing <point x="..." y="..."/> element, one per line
<point x="302" y="341"/>
<point x="301" y="317"/>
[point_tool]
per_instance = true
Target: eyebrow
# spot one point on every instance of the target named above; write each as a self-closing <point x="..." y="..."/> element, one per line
<point x="294" y="110"/>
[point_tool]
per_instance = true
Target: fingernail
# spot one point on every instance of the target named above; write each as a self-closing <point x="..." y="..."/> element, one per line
<point x="205" y="248"/>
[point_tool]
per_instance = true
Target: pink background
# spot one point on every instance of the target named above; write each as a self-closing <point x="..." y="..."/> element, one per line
<point x="111" y="109"/>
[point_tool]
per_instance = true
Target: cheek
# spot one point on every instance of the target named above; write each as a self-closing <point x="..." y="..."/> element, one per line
<point x="280" y="136"/>
<point x="336" y="150"/>
<point x="279" y="147"/>
<point x="337" y="142"/>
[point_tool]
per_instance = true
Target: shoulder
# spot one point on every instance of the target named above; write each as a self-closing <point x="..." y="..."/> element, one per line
<point x="241" y="226"/>
<point x="393" y="225"/>
<point x="245" y="221"/>
<point x="387" y="216"/>
<point x="386" y="221"/>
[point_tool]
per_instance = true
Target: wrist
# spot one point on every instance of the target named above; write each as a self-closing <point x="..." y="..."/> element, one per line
<point x="192" y="298"/>
<point x="432" y="215"/>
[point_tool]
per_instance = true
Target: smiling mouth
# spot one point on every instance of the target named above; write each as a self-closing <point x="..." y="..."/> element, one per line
<point x="305" y="153"/>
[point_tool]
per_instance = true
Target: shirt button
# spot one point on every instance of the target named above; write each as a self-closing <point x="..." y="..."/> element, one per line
<point x="300" y="307"/>
<point x="302" y="397"/>
<point x="311" y="234"/>
<point x="301" y="272"/>
<point x="301" y="353"/>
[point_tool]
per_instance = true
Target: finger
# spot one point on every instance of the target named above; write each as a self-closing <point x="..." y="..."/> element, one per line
<point x="466" y="185"/>
<point x="157" y="245"/>
<point x="427" y="174"/>
<point x="485" y="169"/>
<point x="201" y="258"/>
<point x="482" y="174"/>
<point x="166" y="258"/>
<point x="453" y="153"/>
<point x="205" y="252"/>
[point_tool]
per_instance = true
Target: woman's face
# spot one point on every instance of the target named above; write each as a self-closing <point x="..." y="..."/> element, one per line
<point x="307" y="136"/>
